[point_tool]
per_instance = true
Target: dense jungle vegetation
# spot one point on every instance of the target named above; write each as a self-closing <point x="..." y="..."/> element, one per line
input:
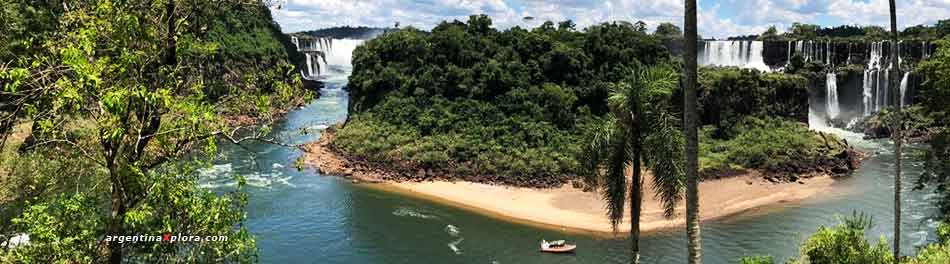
<point x="472" y="102"/>
<point x="104" y="105"/>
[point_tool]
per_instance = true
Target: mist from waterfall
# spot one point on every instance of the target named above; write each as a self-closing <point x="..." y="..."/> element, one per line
<point x="743" y="54"/>
<point x="831" y="99"/>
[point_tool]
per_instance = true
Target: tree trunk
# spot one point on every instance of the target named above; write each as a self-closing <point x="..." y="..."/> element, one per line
<point x="897" y="135"/>
<point x="694" y="244"/>
<point x="116" y="217"/>
<point x="636" y="201"/>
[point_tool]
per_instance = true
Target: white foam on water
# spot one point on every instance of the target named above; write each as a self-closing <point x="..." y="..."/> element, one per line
<point x="921" y="238"/>
<point x="215" y="171"/>
<point x="409" y="212"/>
<point x="222" y="175"/>
<point x="454" y="246"/>
<point x="820" y="124"/>
<point x="452" y="230"/>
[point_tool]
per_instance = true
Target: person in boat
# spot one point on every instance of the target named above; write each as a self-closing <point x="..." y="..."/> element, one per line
<point x="552" y="244"/>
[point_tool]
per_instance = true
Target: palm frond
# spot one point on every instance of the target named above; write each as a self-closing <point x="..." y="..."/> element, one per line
<point x="599" y="135"/>
<point x="665" y="154"/>
<point x="659" y="84"/>
<point x="615" y="182"/>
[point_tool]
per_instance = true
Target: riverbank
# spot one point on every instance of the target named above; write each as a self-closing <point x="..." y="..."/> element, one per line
<point x="568" y="208"/>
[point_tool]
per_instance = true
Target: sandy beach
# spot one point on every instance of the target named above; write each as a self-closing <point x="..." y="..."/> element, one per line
<point x="571" y="209"/>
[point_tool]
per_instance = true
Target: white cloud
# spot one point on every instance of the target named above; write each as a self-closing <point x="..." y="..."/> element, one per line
<point x="724" y="18"/>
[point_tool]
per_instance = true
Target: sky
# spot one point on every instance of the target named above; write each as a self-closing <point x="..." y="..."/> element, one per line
<point x="717" y="18"/>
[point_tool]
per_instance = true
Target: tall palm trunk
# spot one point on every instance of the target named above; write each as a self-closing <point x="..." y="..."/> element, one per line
<point x="897" y="137"/>
<point x="636" y="198"/>
<point x="692" y="139"/>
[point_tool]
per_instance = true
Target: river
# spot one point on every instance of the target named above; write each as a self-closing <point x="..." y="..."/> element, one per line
<point x="301" y="216"/>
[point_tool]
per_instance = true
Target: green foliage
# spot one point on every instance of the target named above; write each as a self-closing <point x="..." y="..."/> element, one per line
<point x="845" y="244"/>
<point x="53" y="238"/>
<point x="767" y="144"/>
<point x="668" y="30"/>
<point x="246" y="31"/>
<point x="770" y="34"/>
<point x="472" y="139"/>
<point x="728" y="94"/>
<point x="757" y="260"/>
<point x="934" y="92"/>
<point x="803" y="31"/>
<point x="937" y="173"/>
<point x="117" y="94"/>
<point x="936" y="253"/>
<point x="473" y="60"/>
<point x="483" y="104"/>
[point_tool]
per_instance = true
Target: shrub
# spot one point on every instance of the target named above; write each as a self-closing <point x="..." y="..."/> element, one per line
<point x="846" y="244"/>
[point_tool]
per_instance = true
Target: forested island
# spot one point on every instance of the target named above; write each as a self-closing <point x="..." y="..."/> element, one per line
<point x="469" y="102"/>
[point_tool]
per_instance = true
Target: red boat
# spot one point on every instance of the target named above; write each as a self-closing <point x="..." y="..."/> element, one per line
<point x="558" y="246"/>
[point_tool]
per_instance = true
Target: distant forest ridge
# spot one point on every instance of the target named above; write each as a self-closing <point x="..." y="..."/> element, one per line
<point x="803" y="31"/>
<point x="798" y="31"/>
<point x="347" y="32"/>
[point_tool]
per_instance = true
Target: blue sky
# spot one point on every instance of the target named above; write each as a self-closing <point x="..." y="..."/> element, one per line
<point x="717" y="18"/>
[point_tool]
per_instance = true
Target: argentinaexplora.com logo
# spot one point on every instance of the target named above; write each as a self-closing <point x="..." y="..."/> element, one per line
<point x="166" y="238"/>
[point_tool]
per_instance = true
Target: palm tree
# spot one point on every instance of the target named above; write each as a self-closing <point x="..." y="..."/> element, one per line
<point x="691" y="115"/>
<point x="897" y="137"/>
<point x="640" y="130"/>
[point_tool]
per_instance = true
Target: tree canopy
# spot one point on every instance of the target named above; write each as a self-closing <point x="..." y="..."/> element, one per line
<point x="122" y="101"/>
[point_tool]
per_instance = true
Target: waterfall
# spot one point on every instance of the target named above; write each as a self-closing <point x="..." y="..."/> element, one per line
<point x="831" y="84"/>
<point x="309" y="65"/>
<point x="755" y="59"/>
<point x="867" y="93"/>
<point x="884" y="88"/>
<point x="848" y="60"/>
<point x="923" y="49"/>
<point x="326" y="57"/>
<point x="789" y="55"/>
<point x="904" y="89"/>
<point x="743" y="54"/>
<point x="874" y="89"/>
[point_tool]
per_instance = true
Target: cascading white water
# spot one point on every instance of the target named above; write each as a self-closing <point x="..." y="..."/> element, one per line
<point x="831" y="98"/>
<point x="326" y="56"/>
<point x="744" y="54"/>
<point x="788" y="60"/>
<point x="755" y="59"/>
<point x="923" y="49"/>
<point x="812" y="51"/>
<point x="867" y="92"/>
<point x="904" y="89"/>
<point x="309" y="64"/>
<point x="874" y="91"/>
